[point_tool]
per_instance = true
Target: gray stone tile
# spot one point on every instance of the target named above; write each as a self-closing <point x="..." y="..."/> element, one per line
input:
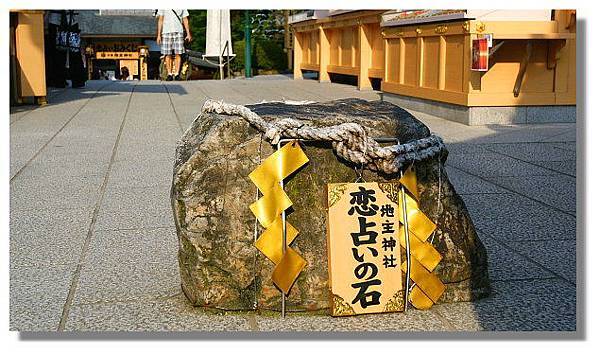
<point x="138" y="217"/>
<point x="134" y="154"/>
<point x="555" y="190"/>
<point x="506" y="265"/>
<point x="413" y="320"/>
<point x="47" y="237"/>
<point x="129" y="265"/>
<point x="141" y="173"/>
<point x="532" y="152"/>
<point x="466" y="148"/>
<point x="497" y="115"/>
<point x="468" y="184"/>
<point x="169" y="314"/>
<point x="543" y="114"/>
<point x="566" y="145"/>
<point x="556" y="255"/>
<point x="37" y="296"/>
<point x="511" y="217"/>
<point x="523" y="133"/>
<point x="569" y="135"/>
<point x="537" y="305"/>
<point x="129" y="198"/>
<point x="81" y="168"/>
<point x="493" y="164"/>
<point x="568" y="167"/>
<point x="46" y="194"/>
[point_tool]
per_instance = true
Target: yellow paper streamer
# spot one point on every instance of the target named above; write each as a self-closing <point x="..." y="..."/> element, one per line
<point x="268" y="210"/>
<point x="423" y="256"/>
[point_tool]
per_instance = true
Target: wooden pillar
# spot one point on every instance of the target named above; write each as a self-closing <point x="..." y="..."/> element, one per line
<point x="365" y="53"/>
<point x="29" y="39"/>
<point x="401" y="63"/>
<point x="297" y="55"/>
<point x="442" y="64"/>
<point x="324" y="55"/>
<point x="144" y="68"/>
<point x="419" y="60"/>
<point x="90" y="68"/>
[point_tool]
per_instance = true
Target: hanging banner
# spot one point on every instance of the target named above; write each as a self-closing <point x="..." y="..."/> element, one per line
<point x="365" y="255"/>
<point x="480" y="56"/>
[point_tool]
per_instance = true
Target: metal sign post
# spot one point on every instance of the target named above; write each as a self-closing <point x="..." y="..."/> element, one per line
<point x="406" y="241"/>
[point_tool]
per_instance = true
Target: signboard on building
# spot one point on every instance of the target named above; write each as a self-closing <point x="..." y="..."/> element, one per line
<point x="480" y="56"/>
<point x="117" y="46"/>
<point x="117" y="55"/>
<point x="365" y="258"/>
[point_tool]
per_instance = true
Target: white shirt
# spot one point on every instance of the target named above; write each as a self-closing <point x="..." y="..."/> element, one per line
<point x="172" y="24"/>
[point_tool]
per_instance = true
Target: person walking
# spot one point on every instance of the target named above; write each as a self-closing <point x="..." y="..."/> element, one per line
<point x="171" y="24"/>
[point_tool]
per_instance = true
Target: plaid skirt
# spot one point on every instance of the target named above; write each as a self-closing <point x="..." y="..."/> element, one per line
<point x="172" y="42"/>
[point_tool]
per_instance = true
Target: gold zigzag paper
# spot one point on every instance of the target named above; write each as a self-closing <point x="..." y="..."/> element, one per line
<point x="268" y="210"/>
<point x="423" y="256"/>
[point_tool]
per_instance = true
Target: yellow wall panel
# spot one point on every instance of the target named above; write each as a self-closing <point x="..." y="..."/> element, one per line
<point x="334" y="42"/>
<point x="393" y="60"/>
<point x="431" y="55"/>
<point x="313" y="47"/>
<point x="454" y="63"/>
<point x="347" y="43"/>
<point x="377" y="59"/>
<point x="409" y="60"/>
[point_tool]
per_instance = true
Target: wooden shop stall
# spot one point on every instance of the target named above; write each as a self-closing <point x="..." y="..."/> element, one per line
<point x="531" y="57"/>
<point x="343" y="42"/>
<point x="464" y="58"/>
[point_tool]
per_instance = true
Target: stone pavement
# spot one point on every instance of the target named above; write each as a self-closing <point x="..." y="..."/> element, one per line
<point x="93" y="244"/>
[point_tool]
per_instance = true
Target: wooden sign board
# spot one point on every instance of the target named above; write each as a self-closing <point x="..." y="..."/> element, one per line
<point x="117" y="55"/>
<point x="365" y="256"/>
<point x="131" y="64"/>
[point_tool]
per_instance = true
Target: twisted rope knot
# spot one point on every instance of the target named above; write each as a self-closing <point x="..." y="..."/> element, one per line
<point x="349" y="140"/>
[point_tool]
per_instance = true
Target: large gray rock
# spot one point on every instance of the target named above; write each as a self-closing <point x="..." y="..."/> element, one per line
<point x="211" y="193"/>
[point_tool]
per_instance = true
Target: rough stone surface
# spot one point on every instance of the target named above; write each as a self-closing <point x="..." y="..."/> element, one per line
<point x="219" y="266"/>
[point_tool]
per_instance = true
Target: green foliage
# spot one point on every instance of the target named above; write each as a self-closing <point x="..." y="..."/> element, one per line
<point x="239" y="48"/>
<point x="266" y="54"/>
<point x="198" y="27"/>
<point x="269" y="55"/>
<point x="267" y="37"/>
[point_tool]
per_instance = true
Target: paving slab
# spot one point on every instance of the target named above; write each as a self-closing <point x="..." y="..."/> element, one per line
<point x="536" y="305"/>
<point x="37" y="296"/>
<point x="505" y="264"/>
<point x="130" y="265"/>
<point x="568" y="167"/>
<point x="411" y="321"/>
<point x="556" y="255"/>
<point x="47" y="237"/>
<point x="49" y="194"/>
<point x="494" y="165"/>
<point x="512" y="217"/>
<point x="168" y="314"/>
<point x="532" y="151"/>
<point x="135" y="208"/>
<point x="556" y="190"/>
<point x="465" y="183"/>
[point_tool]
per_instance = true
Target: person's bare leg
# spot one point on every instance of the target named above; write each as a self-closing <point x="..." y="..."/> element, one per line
<point x="169" y="64"/>
<point x="176" y="64"/>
